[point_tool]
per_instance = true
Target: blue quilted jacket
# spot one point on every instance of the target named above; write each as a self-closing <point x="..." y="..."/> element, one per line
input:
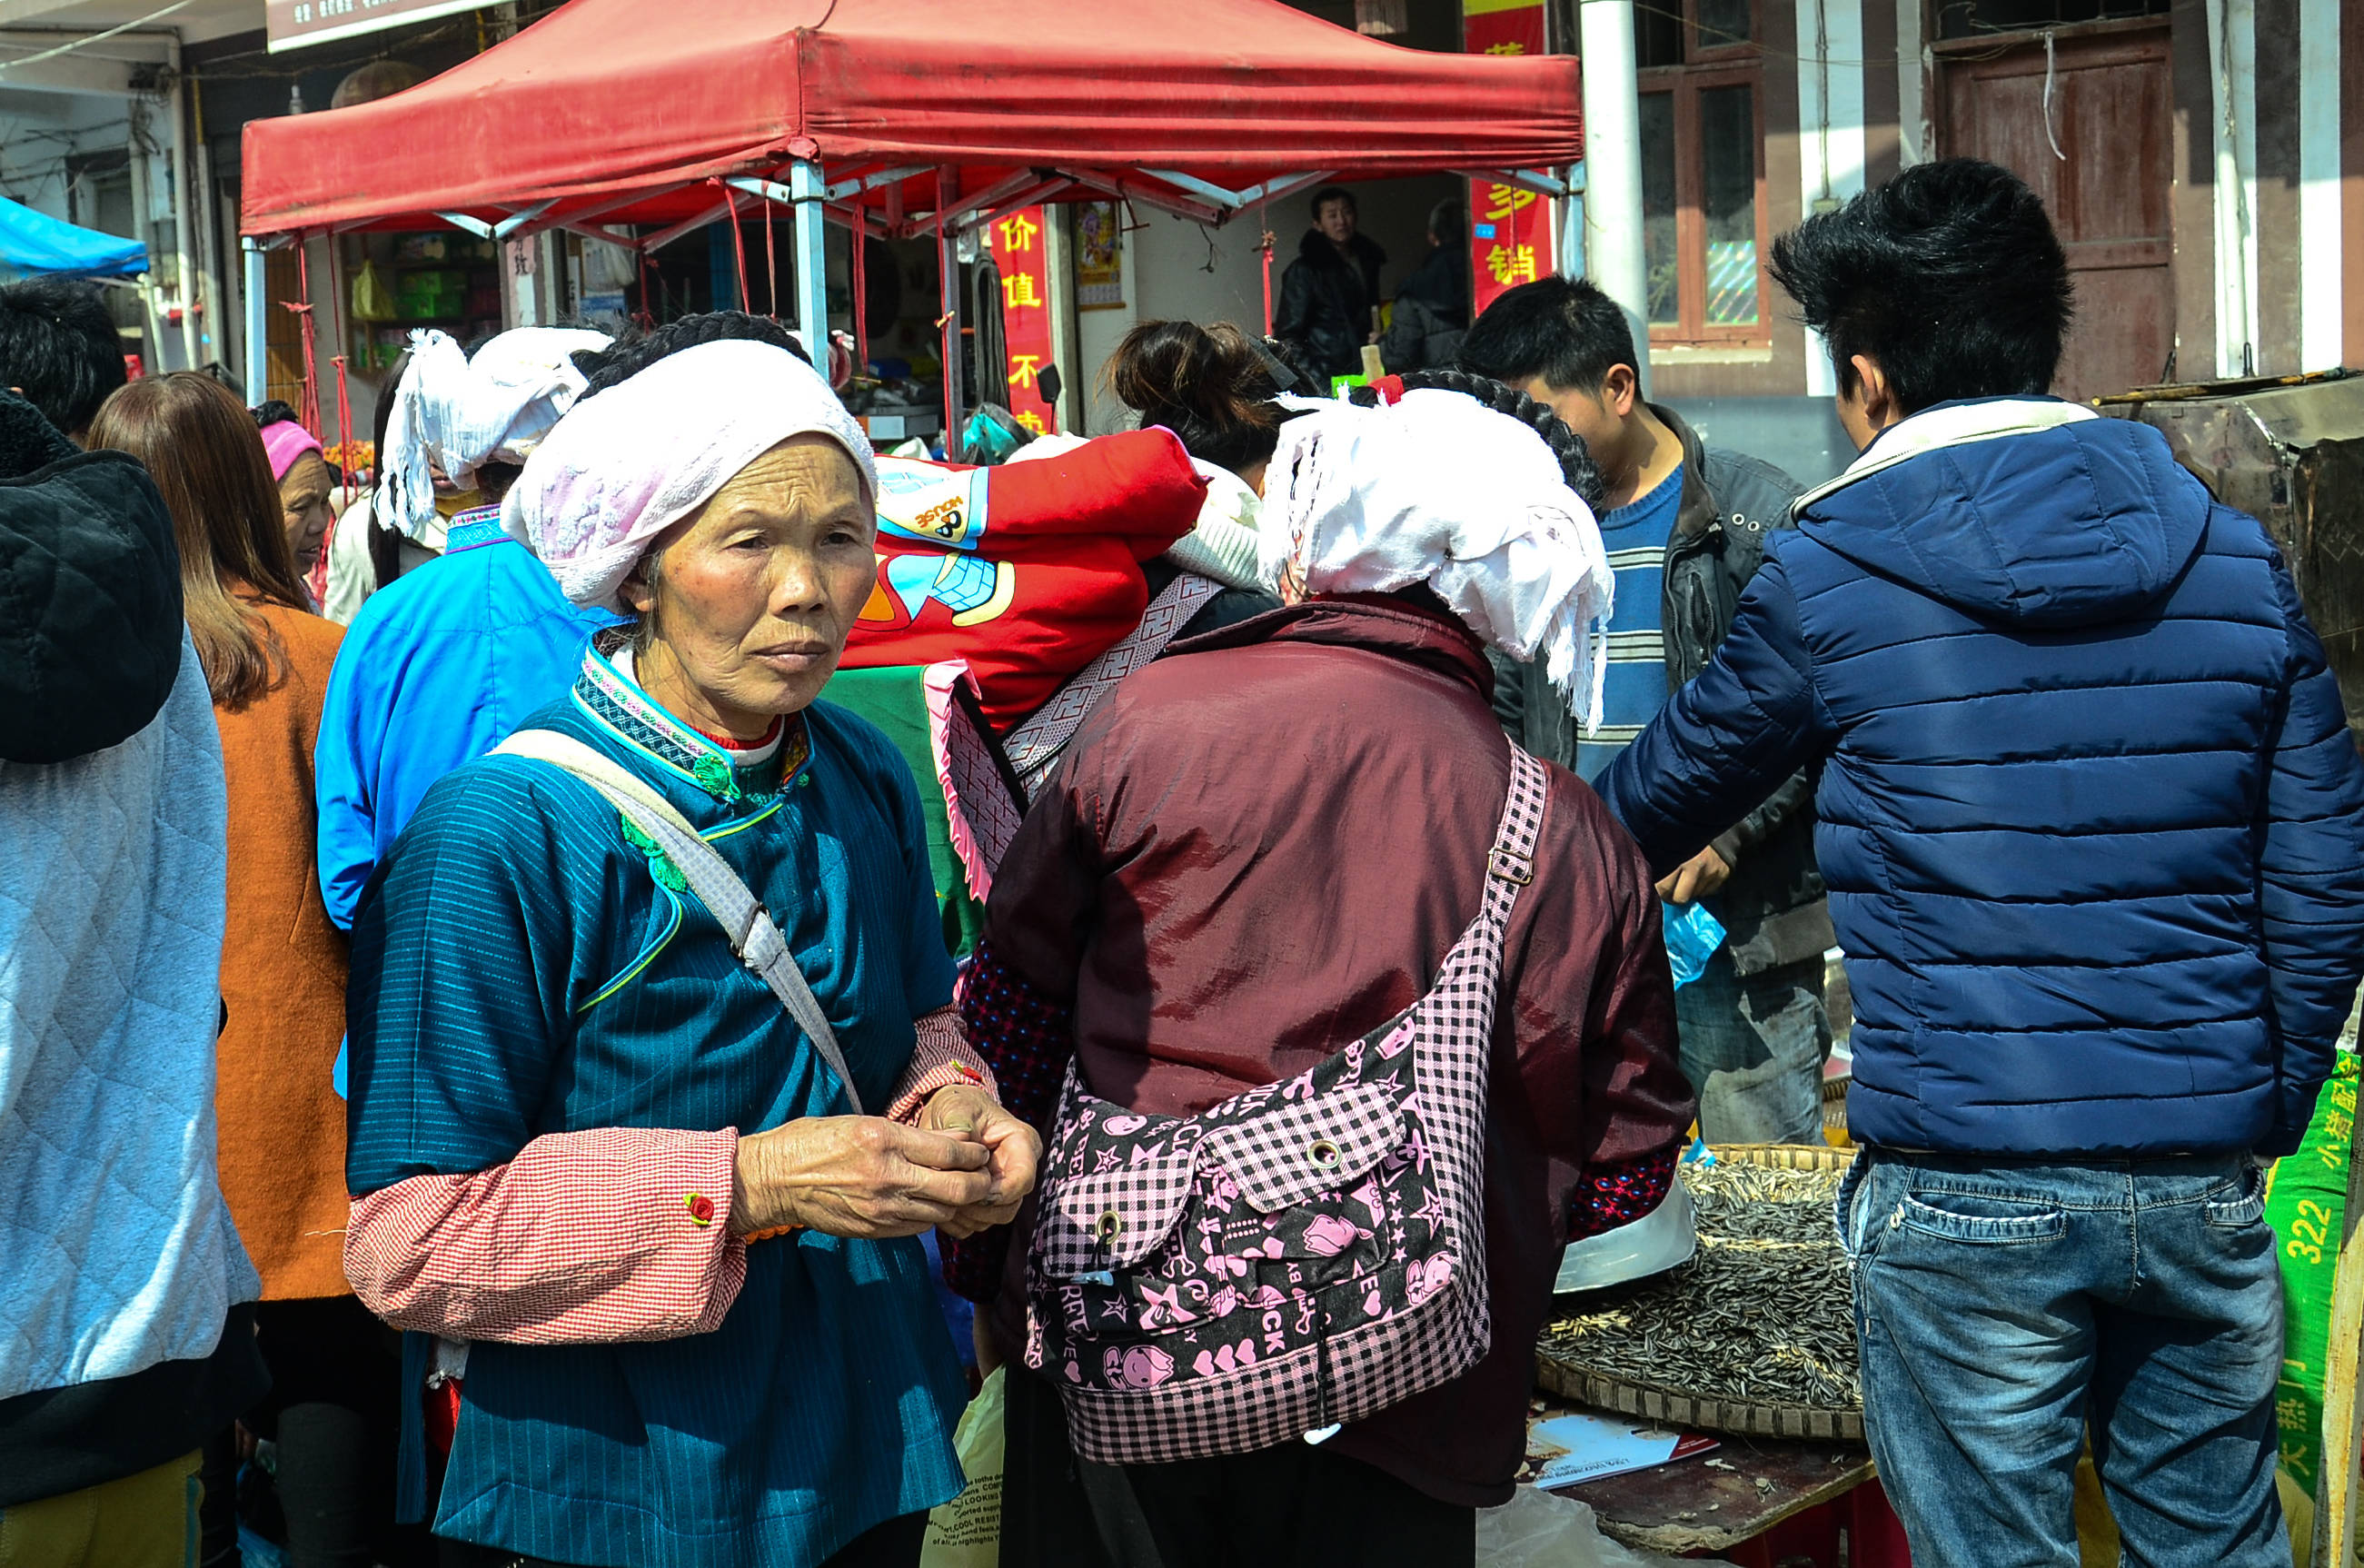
<point x="2090" y="812"/>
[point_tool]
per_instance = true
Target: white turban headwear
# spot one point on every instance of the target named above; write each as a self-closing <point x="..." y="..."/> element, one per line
<point x="1438" y="489"/>
<point x="634" y="461"/>
<point x="458" y="413"/>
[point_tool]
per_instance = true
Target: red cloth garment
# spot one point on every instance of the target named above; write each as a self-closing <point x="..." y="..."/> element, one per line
<point x="1027" y="571"/>
<point x="1262" y="847"/>
<point x="610" y="1234"/>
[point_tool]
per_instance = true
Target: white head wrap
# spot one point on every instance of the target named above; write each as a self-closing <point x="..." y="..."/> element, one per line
<point x="1440" y="489"/>
<point x="458" y="413"/>
<point x="629" y="463"/>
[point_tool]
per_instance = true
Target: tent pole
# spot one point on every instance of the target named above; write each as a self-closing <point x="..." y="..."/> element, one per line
<point x="810" y="192"/>
<point x="258" y="364"/>
<point x="948" y="273"/>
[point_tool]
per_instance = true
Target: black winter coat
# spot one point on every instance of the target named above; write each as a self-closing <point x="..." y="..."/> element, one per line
<point x="1326" y="300"/>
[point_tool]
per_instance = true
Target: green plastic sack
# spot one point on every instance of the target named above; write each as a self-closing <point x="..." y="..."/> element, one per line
<point x="966" y="1531"/>
<point x="2306" y="1198"/>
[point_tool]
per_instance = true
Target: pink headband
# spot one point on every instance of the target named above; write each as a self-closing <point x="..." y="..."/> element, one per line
<point x="285" y="442"/>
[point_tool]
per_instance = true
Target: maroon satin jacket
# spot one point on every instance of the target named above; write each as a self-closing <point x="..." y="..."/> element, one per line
<point x="1261" y="848"/>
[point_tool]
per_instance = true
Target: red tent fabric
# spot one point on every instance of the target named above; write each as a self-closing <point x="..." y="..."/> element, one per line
<point x="619" y="111"/>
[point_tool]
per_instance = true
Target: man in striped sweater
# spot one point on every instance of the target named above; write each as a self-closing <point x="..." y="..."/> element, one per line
<point x="1685" y="526"/>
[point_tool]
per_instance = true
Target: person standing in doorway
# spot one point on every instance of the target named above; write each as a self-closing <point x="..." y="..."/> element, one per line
<point x="1329" y="293"/>
<point x="1432" y="308"/>
<point x="2093" y="822"/>
<point x="1686" y="525"/>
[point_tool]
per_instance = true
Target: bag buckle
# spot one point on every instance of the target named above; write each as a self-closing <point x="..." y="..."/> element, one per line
<point x="1510" y="868"/>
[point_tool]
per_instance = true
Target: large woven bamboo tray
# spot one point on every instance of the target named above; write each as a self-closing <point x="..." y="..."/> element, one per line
<point x="1564" y="1371"/>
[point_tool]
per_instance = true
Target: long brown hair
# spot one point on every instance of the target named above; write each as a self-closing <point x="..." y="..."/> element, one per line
<point x="201" y="448"/>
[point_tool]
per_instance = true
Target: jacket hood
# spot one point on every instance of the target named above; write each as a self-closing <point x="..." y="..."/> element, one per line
<point x="90" y="572"/>
<point x="2027" y="511"/>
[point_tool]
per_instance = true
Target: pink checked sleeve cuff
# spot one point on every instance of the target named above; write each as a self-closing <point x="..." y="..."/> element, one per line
<point x="608" y="1235"/>
<point x="941" y="1059"/>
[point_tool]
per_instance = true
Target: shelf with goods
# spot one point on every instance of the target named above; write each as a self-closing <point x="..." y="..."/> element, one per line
<point x="398" y="283"/>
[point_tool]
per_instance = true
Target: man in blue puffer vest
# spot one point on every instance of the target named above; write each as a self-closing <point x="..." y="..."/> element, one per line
<point x="2092" y="823"/>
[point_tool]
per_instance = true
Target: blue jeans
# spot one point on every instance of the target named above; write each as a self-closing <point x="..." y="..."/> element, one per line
<point x="2003" y="1309"/>
<point x="1753" y="1047"/>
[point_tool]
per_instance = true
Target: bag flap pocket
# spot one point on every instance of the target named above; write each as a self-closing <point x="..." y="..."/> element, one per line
<point x="1284" y="1156"/>
<point x="1115" y="1217"/>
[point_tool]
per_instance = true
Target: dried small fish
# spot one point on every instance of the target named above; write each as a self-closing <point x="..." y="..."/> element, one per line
<point x="1761" y="1313"/>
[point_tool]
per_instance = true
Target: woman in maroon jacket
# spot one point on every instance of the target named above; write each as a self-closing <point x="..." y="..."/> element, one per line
<point x="1262" y="847"/>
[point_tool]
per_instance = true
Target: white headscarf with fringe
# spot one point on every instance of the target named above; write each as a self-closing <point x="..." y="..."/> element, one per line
<point x="1438" y="489"/>
<point x="457" y="414"/>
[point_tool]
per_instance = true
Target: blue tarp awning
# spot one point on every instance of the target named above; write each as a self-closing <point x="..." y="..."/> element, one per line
<point x="30" y="242"/>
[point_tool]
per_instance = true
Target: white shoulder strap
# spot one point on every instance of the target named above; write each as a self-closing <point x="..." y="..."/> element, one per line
<point x="744" y="921"/>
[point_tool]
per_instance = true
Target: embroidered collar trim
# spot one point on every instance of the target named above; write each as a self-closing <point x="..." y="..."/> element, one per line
<point x="473" y="530"/>
<point x="616" y="703"/>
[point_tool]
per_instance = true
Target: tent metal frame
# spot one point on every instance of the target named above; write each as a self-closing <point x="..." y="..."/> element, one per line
<point x="813" y="200"/>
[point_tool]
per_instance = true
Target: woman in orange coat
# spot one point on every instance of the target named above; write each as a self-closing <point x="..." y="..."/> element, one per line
<point x="332" y="1403"/>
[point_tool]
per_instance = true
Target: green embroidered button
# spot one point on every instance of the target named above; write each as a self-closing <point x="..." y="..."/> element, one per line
<point x="661" y="865"/>
<point x="715" y="776"/>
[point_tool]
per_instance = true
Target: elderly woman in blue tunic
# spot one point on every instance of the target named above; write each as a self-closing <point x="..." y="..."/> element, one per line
<point x="670" y="1307"/>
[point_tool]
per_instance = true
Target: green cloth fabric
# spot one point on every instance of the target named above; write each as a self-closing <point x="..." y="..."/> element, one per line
<point x="895" y="698"/>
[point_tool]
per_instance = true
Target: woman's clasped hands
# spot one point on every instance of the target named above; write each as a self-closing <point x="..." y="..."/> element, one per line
<point x="965" y="1168"/>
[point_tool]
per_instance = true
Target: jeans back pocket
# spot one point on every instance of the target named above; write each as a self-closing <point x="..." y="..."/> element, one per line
<point x="1982" y="1218"/>
<point x="2246" y="1204"/>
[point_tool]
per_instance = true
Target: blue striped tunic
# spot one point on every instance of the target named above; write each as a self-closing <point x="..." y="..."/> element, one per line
<point x="519" y="969"/>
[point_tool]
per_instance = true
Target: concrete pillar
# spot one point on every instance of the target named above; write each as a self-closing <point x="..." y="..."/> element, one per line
<point x="1612" y="165"/>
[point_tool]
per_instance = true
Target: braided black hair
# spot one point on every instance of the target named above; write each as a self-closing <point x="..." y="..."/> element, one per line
<point x="627" y="357"/>
<point x="1575" y="462"/>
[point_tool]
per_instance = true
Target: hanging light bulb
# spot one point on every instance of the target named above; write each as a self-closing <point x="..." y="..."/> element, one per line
<point x="1382" y="18"/>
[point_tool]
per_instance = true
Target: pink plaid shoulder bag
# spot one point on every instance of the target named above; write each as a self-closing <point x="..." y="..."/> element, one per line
<point x="1300" y="1256"/>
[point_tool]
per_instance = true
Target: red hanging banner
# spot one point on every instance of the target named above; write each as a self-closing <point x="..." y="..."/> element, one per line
<point x="1020" y="251"/>
<point x="1510" y="239"/>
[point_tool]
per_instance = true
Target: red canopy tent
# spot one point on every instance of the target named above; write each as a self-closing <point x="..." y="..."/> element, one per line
<point x="906" y="116"/>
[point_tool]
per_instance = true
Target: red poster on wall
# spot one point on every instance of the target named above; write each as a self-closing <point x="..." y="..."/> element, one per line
<point x="1020" y="252"/>
<point x="1510" y="238"/>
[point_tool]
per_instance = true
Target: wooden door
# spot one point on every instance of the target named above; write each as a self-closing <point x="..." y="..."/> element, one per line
<point x="2111" y="113"/>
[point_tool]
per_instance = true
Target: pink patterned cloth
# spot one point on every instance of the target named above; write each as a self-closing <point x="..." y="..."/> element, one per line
<point x="602" y="1235"/>
<point x="1619" y="1194"/>
<point x="941" y="1058"/>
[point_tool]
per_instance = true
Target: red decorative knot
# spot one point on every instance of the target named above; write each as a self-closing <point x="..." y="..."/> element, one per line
<point x="701" y="1208"/>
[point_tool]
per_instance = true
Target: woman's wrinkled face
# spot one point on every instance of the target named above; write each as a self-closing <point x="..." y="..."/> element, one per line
<point x="304" y="500"/>
<point x="749" y="599"/>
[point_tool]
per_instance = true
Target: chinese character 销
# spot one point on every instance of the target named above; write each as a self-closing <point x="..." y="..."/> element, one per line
<point x="1510" y="263"/>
